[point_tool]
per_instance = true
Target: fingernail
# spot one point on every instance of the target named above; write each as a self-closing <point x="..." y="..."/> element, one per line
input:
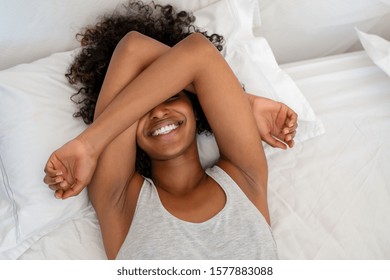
<point x="58" y="180"/>
<point x="63" y="184"/>
<point x="59" y="173"/>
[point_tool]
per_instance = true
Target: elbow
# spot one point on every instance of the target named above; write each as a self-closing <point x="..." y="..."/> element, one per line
<point x="200" y="47"/>
<point x="131" y="42"/>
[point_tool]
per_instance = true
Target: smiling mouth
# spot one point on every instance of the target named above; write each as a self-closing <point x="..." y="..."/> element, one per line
<point x="165" y="129"/>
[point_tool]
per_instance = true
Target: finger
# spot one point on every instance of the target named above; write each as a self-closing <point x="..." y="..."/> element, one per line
<point x="51" y="170"/>
<point x="289" y="139"/>
<point x="290" y="126"/>
<point x="74" y="190"/>
<point x="48" y="180"/>
<point x="59" y="194"/>
<point x="63" y="185"/>
<point x="273" y="142"/>
<point x="290" y="143"/>
<point x="54" y="187"/>
<point x="292" y="118"/>
<point x="290" y="136"/>
<point x="289" y="131"/>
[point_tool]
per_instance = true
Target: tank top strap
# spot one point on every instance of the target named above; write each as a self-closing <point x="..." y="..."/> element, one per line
<point x="232" y="190"/>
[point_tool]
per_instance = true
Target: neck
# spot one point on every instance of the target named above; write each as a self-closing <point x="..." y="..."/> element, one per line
<point x="179" y="175"/>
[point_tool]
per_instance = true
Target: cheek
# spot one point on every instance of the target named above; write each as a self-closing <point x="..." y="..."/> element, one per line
<point x="140" y="133"/>
<point x="193" y="125"/>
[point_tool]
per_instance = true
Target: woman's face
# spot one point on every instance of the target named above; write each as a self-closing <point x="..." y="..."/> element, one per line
<point x="169" y="129"/>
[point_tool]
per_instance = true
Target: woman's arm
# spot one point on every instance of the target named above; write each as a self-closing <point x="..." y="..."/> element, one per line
<point x="194" y="60"/>
<point x="136" y="51"/>
<point x="132" y="54"/>
<point x="109" y="189"/>
<point x="115" y="184"/>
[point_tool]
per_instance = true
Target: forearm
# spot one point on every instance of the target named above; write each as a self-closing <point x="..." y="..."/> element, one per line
<point x="135" y="50"/>
<point x="193" y="60"/>
<point x="153" y="86"/>
<point x="132" y="54"/>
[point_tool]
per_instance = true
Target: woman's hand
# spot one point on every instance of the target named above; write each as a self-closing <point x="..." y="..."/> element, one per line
<point x="276" y="122"/>
<point x="70" y="168"/>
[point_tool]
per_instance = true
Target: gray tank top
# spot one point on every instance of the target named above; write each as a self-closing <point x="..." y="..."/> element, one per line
<point x="238" y="231"/>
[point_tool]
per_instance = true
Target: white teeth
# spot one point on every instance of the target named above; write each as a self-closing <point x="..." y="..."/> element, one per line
<point x="164" y="130"/>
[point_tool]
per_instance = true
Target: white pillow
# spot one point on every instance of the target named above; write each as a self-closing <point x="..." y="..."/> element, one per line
<point x="36" y="118"/>
<point x="236" y="22"/>
<point x="377" y="48"/>
<point x="304" y="29"/>
<point x="35" y="29"/>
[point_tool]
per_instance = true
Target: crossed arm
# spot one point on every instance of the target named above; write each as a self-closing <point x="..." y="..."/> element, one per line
<point x="273" y="119"/>
<point x="103" y="156"/>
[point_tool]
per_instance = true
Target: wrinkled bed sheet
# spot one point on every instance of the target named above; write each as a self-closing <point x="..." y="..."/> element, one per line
<point x="330" y="197"/>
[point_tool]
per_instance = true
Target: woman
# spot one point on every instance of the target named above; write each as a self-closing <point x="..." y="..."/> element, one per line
<point x="181" y="211"/>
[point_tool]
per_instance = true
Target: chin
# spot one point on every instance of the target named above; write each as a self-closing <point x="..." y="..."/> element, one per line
<point x="172" y="150"/>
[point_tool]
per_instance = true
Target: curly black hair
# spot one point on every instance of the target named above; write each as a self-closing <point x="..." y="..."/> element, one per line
<point x="87" y="71"/>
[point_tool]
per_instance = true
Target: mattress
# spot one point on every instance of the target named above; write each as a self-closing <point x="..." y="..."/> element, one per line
<point x="329" y="196"/>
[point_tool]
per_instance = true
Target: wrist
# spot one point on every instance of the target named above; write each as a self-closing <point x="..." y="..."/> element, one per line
<point x="91" y="148"/>
<point x="251" y="99"/>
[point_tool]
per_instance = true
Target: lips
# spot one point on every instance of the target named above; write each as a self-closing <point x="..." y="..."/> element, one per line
<point x="164" y="128"/>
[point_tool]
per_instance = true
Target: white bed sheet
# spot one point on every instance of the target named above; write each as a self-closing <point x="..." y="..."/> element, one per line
<point x="329" y="197"/>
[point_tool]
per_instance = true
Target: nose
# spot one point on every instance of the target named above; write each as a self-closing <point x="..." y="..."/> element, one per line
<point x="158" y="112"/>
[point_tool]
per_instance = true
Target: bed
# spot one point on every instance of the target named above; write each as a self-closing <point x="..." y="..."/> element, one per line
<point x="329" y="196"/>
